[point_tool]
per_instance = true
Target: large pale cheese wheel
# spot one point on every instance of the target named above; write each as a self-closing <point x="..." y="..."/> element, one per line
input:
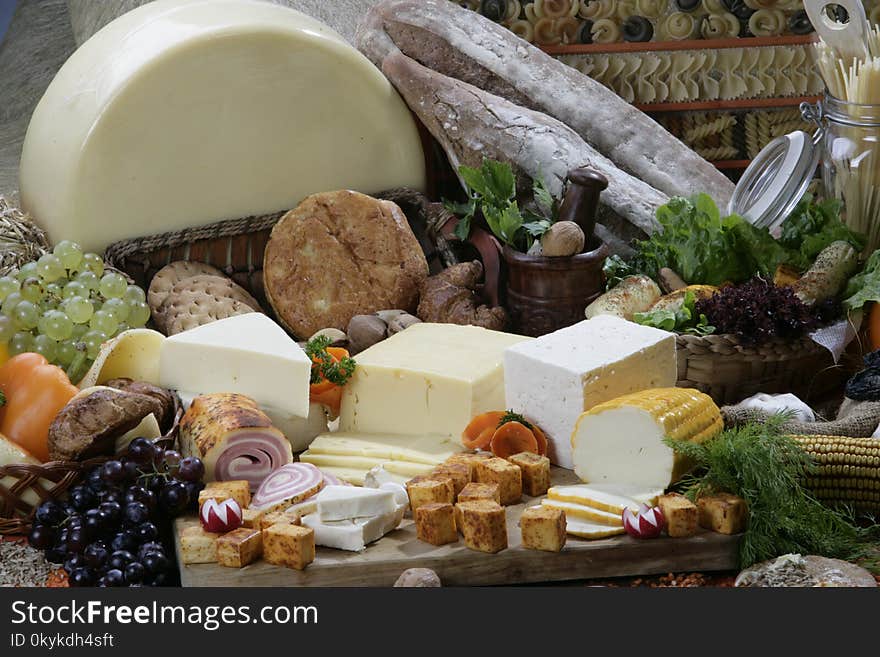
<point x="181" y="113"/>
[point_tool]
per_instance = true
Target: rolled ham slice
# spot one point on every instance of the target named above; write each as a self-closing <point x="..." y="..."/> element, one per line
<point x="233" y="438"/>
<point x="290" y="484"/>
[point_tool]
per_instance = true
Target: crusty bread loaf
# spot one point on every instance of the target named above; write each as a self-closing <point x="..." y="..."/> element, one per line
<point x="341" y="254"/>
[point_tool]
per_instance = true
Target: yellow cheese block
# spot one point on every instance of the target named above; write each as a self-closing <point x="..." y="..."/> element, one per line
<point x="428" y="379"/>
<point x="584" y="512"/>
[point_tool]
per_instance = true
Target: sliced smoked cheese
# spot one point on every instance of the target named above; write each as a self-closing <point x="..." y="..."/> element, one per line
<point x="234" y="439"/>
<point x="590" y="530"/>
<point x="586" y="496"/>
<point x="183" y="113"/>
<point x="621" y="441"/>
<point x="582" y="512"/>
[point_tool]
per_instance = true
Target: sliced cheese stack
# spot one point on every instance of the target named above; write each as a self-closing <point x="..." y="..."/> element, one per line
<point x="222" y="109"/>
<point x="595" y="511"/>
<point x="555" y="378"/>
<point x="349" y="518"/>
<point x="621" y="441"/>
<point x="351" y="456"/>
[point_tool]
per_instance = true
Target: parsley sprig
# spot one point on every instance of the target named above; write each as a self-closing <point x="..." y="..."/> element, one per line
<point x="324" y="366"/>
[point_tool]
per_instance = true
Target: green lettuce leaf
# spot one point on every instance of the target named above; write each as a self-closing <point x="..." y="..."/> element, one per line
<point x="864" y="286"/>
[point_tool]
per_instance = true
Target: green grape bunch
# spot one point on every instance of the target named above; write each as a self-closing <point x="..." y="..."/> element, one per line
<point x="64" y="306"/>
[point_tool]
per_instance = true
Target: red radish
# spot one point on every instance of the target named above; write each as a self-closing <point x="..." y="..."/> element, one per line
<point x="220" y="517"/>
<point x="647" y="523"/>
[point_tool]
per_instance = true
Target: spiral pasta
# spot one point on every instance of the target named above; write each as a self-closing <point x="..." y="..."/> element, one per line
<point x="650" y="8"/>
<point x="547" y="32"/>
<point x="714" y="7"/>
<point x="514" y="9"/>
<point x="767" y="22"/>
<point x="552" y="8"/>
<point x="523" y="29"/>
<point x="718" y="153"/>
<point x="714" y="127"/>
<point x="719" y="26"/>
<point x="605" y="30"/>
<point x="568" y="29"/>
<point x="761" y="4"/>
<point x="678" y="26"/>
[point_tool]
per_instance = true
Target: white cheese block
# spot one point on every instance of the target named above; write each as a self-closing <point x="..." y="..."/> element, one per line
<point x="430" y="449"/>
<point x="428" y="379"/>
<point x="303" y="508"/>
<point x="353" y="535"/>
<point x="366" y="464"/>
<point x="350" y="502"/>
<point x="584" y="512"/>
<point x="553" y="379"/>
<point x="585" y="495"/>
<point x="590" y="530"/>
<point x="182" y="113"/>
<point x="398" y="490"/>
<point x="246" y="354"/>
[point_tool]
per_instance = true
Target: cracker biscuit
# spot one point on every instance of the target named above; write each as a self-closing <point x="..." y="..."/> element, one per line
<point x="203" y="299"/>
<point x="167" y="277"/>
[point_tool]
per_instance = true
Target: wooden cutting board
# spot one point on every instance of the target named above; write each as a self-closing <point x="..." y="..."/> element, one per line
<point x="383" y="561"/>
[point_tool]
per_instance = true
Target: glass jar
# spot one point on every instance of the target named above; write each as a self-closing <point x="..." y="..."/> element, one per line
<point x="850" y="134"/>
<point x="846" y="142"/>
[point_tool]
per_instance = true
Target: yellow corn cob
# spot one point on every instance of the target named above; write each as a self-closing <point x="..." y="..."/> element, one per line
<point x="621" y="441"/>
<point x="844" y="471"/>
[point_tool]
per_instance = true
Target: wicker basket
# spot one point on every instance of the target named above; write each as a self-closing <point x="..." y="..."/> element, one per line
<point x="729" y="370"/>
<point x="236" y="246"/>
<point x="23" y="487"/>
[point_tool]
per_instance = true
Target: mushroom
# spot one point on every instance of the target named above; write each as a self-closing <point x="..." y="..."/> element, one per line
<point x="164" y="397"/>
<point x="364" y="331"/>
<point x="417" y="577"/>
<point x="92" y="421"/>
<point x="565" y="238"/>
<point x="401" y="322"/>
<point x="337" y="337"/>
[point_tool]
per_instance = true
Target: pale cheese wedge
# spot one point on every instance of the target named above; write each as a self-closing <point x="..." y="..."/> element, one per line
<point x="364" y="463"/>
<point x="590" y="530"/>
<point x="432" y="450"/>
<point x="582" y="512"/>
<point x="586" y="496"/>
<point x="133" y="354"/>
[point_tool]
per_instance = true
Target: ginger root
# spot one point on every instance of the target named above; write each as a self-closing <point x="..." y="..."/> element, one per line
<point x="450" y="298"/>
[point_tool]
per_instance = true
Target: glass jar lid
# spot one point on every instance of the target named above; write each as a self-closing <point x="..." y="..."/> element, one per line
<point x="776" y="179"/>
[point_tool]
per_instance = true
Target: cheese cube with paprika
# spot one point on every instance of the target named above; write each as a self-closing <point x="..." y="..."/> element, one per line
<point x="543" y="528"/>
<point x="505" y="474"/>
<point x="239" y="548"/>
<point x="535" y="472"/>
<point x="435" y="523"/>
<point x="483" y="525"/>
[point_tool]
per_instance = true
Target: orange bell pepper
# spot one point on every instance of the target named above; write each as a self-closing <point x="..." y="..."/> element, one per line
<point x="326" y="392"/>
<point x="35" y="392"/>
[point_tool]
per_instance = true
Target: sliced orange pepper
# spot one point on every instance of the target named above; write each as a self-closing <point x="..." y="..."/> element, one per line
<point x="326" y="392"/>
<point x="35" y="392"/>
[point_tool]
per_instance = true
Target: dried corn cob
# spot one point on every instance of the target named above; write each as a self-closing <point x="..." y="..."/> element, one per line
<point x="621" y="441"/>
<point x="845" y="470"/>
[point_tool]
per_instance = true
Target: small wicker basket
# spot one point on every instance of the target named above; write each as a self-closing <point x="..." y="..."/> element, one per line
<point x="24" y="487"/>
<point x="729" y="370"/>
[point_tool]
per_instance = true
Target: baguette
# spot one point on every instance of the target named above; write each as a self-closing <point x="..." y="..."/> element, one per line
<point x="469" y="47"/>
<point x="471" y="124"/>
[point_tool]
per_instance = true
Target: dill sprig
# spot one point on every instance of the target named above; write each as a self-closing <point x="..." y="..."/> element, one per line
<point x="765" y="468"/>
<point x="324" y="366"/>
<point x="510" y="416"/>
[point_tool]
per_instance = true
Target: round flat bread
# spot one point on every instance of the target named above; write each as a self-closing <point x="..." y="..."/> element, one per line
<point x="167" y="277"/>
<point x="202" y="299"/>
<point x="337" y="255"/>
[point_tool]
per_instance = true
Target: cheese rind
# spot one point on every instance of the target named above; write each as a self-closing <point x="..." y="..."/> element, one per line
<point x="553" y="379"/>
<point x="222" y="109"/>
<point x="348" y="503"/>
<point x="429" y="379"/>
<point x="247" y="354"/>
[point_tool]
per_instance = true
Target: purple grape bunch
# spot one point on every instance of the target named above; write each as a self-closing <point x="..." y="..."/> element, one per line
<point x="114" y="528"/>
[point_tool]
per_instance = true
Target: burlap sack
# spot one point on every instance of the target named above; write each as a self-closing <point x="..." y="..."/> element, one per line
<point x="854" y="419"/>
